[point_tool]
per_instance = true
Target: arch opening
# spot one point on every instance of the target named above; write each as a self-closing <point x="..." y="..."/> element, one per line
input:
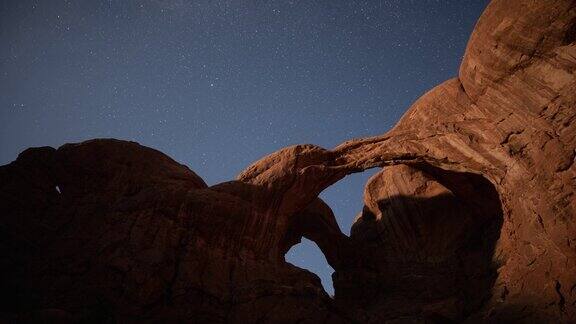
<point x="427" y="237"/>
<point x="308" y="256"/>
<point x="318" y="238"/>
<point x="346" y="197"/>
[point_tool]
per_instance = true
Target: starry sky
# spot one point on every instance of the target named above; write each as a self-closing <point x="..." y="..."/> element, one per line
<point x="217" y="84"/>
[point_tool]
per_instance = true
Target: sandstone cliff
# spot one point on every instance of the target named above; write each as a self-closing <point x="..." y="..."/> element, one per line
<point x="471" y="219"/>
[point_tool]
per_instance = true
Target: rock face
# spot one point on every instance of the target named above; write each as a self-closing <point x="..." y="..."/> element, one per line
<point x="471" y="219"/>
<point x="430" y="235"/>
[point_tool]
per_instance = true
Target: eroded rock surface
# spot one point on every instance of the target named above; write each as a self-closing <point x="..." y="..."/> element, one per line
<point x="472" y="218"/>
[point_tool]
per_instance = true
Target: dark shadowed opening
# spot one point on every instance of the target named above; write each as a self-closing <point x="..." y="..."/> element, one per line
<point x="431" y="247"/>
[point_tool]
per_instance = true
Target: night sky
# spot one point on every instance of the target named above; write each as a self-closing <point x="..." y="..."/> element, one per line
<point x="217" y="85"/>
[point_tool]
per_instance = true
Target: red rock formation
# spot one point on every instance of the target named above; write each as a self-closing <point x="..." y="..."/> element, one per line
<point x="471" y="219"/>
<point x="132" y="235"/>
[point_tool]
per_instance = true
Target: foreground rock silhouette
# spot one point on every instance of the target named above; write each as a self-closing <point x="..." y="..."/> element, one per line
<point x="471" y="219"/>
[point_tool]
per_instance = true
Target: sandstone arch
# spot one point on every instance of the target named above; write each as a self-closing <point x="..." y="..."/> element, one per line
<point x="131" y="240"/>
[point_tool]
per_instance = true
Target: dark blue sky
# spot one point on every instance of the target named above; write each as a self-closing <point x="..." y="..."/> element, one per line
<point x="219" y="84"/>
